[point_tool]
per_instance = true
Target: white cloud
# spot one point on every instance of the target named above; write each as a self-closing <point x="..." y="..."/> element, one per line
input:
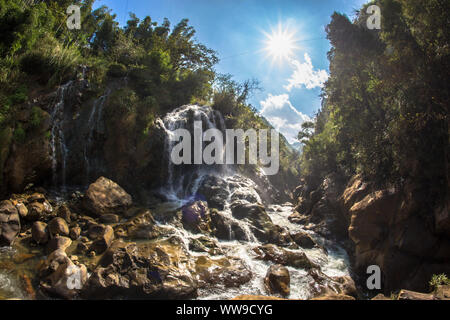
<point x="280" y="112"/>
<point x="305" y="75"/>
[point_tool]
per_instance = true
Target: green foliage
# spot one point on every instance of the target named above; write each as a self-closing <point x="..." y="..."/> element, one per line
<point x="122" y="102"/>
<point x="117" y="70"/>
<point x="385" y="104"/>
<point x="36" y="117"/>
<point x="51" y="61"/>
<point x="19" y="134"/>
<point x="439" y="280"/>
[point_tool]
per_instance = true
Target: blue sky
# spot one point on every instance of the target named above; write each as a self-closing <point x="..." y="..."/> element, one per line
<point x="238" y="30"/>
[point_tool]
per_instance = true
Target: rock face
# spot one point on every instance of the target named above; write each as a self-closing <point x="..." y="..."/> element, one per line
<point x="159" y="270"/>
<point x="391" y="228"/>
<point x="388" y="231"/>
<point x="9" y="223"/>
<point x="319" y="208"/>
<point x="106" y="197"/>
<point x="277" y="280"/>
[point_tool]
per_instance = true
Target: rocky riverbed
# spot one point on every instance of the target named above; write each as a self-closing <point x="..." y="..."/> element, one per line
<point x="99" y="245"/>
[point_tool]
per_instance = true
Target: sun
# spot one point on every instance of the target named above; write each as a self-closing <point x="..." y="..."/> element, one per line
<point x="280" y="45"/>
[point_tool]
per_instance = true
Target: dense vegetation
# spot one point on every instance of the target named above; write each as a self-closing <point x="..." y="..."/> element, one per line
<point x="164" y="67"/>
<point x="386" y="104"/>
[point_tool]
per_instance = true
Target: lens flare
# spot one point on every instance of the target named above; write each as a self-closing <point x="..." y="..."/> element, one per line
<point x="280" y="45"/>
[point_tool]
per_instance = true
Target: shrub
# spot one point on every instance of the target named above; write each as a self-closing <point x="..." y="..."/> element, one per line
<point x="439" y="280"/>
<point x="117" y="70"/>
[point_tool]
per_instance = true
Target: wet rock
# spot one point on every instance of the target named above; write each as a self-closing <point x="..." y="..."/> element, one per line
<point x="303" y="239"/>
<point x="58" y="227"/>
<point x="102" y="237"/>
<point x="325" y="285"/>
<point x="227" y="272"/>
<point x="297" y="218"/>
<point x="83" y="247"/>
<point x="36" y="210"/>
<point x="61" y="277"/>
<point x="105" y="196"/>
<point x="64" y="213"/>
<point x="214" y="190"/>
<point x="37" y="197"/>
<point x="205" y="244"/>
<point x="158" y="270"/>
<point x="196" y="217"/>
<point x="58" y="243"/>
<point x="109" y="218"/>
<point x="9" y="223"/>
<point x="39" y="232"/>
<point x="142" y="227"/>
<point x="260" y="223"/>
<point x="22" y="209"/>
<point x="75" y="233"/>
<point x="284" y="257"/>
<point x="277" y="280"/>
<point x="226" y="229"/>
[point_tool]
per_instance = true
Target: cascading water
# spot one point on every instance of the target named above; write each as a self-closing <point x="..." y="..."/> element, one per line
<point x="93" y="125"/>
<point x="58" y="142"/>
<point x="184" y="185"/>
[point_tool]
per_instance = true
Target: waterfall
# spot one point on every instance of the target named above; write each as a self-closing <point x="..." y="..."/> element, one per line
<point x="58" y="142"/>
<point x="93" y="125"/>
<point x="182" y="182"/>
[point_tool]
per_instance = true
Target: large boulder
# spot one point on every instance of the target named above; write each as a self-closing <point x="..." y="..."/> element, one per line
<point x="215" y="191"/>
<point x="277" y="280"/>
<point x="58" y="227"/>
<point x="196" y="217"/>
<point x="322" y="284"/>
<point x="296" y="259"/>
<point x="205" y="244"/>
<point x="105" y="196"/>
<point x="157" y="270"/>
<point x="142" y="226"/>
<point x="226" y="271"/>
<point x="303" y="239"/>
<point x="9" y="223"/>
<point x="61" y="277"/>
<point x="39" y="232"/>
<point x="58" y="243"/>
<point x="102" y="237"/>
<point x="225" y="228"/>
<point x="260" y="223"/>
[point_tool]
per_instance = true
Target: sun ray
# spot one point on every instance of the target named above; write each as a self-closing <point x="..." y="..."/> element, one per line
<point x="280" y="44"/>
